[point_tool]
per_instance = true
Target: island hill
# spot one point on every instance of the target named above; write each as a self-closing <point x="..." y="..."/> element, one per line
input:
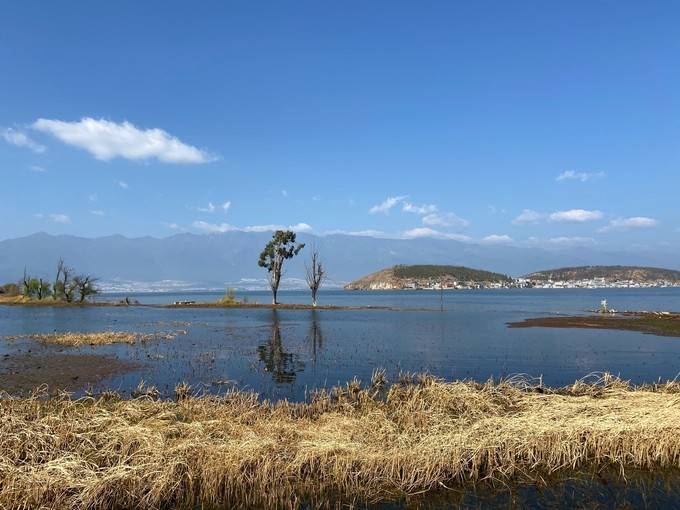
<point x="604" y="276"/>
<point x="403" y="277"/>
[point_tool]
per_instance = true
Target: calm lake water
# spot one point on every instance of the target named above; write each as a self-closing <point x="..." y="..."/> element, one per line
<point x="285" y="353"/>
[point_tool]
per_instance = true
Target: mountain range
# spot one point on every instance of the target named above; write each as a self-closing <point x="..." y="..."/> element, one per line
<point x="209" y="261"/>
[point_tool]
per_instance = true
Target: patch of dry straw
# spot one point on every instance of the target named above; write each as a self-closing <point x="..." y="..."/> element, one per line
<point x="367" y="442"/>
<point x="99" y="338"/>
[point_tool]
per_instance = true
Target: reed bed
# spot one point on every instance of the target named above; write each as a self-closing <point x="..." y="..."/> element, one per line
<point x="99" y="338"/>
<point x="352" y="443"/>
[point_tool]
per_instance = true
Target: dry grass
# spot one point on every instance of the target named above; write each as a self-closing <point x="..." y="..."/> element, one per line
<point x="100" y="338"/>
<point x="354" y="442"/>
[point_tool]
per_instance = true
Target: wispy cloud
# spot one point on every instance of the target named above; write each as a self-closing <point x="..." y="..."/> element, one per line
<point x="571" y="175"/>
<point x="422" y="209"/>
<point x="560" y="242"/>
<point x="444" y="220"/>
<point x="419" y="232"/>
<point x="60" y="218"/>
<point x="356" y="233"/>
<point x="21" y="139"/>
<point x="123" y="184"/>
<point x="575" y="216"/>
<point x="97" y="212"/>
<point x="528" y="216"/>
<point x="629" y="223"/>
<point x="571" y="241"/>
<point x="429" y="213"/>
<point x="497" y="239"/>
<point x="54" y="217"/>
<point x="386" y="206"/>
<point x="37" y="169"/>
<point x="107" y="140"/>
<point x="227" y="227"/>
<point x="284" y="193"/>
<point x="210" y="208"/>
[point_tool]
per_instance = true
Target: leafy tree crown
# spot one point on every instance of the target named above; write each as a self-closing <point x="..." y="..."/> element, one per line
<point x="282" y="246"/>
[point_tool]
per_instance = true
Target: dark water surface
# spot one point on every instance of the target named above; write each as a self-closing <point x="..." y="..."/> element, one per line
<point x="284" y="353"/>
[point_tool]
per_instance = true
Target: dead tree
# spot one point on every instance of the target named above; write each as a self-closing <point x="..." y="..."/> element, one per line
<point x="84" y="285"/>
<point x="315" y="275"/>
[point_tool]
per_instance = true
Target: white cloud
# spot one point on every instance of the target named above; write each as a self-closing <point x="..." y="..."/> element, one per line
<point x="571" y="175"/>
<point x="21" y="139"/>
<point x="575" y="216"/>
<point x="106" y="140"/>
<point x="123" y="184"/>
<point x="212" y="207"/>
<point x="301" y="227"/>
<point x="628" y="223"/>
<point x="416" y="233"/>
<point x="356" y="233"/>
<point x="92" y="197"/>
<point x="528" y="216"/>
<point x="37" y="169"/>
<point x="60" y="218"/>
<point x="419" y="209"/>
<point x="444" y="220"/>
<point x="97" y="212"/>
<point x="571" y="241"/>
<point x="387" y="205"/>
<point x="209" y="209"/>
<point x="497" y="239"/>
<point x="226" y="227"/>
<point x="172" y="226"/>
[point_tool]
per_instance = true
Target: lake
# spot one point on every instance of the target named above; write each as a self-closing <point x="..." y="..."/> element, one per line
<point x="286" y="353"/>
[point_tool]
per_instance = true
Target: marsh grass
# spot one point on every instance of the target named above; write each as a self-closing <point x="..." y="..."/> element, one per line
<point x="99" y="338"/>
<point x="352" y="443"/>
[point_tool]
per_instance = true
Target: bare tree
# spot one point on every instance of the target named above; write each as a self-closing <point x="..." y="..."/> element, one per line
<point x="26" y="284"/>
<point x="64" y="285"/>
<point x="58" y="288"/>
<point x="84" y="284"/>
<point x="316" y="274"/>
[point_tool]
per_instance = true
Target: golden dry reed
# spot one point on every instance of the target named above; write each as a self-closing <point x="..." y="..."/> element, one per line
<point x="99" y="338"/>
<point x="356" y="443"/>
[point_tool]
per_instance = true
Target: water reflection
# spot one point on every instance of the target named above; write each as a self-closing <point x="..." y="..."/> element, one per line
<point x="281" y="364"/>
<point x="315" y="335"/>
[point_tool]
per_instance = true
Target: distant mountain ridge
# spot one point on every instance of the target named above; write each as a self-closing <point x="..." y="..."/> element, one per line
<point x="202" y="261"/>
<point x="425" y="276"/>
<point x="609" y="273"/>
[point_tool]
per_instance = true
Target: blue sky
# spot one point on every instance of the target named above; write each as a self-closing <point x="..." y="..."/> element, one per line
<point x="547" y="123"/>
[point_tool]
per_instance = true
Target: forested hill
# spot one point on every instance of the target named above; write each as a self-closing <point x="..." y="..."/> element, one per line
<point x="610" y="273"/>
<point x="421" y="276"/>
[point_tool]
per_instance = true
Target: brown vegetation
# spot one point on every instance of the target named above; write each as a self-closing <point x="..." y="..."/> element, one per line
<point x="662" y="324"/>
<point x="351" y="443"/>
<point x="100" y="338"/>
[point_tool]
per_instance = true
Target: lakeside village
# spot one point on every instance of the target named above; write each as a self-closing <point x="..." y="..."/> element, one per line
<point x="518" y="283"/>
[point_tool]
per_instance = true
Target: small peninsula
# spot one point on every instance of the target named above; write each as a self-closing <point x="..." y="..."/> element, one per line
<point x="403" y="277"/>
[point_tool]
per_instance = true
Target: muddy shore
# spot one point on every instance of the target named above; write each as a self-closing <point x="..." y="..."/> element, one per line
<point x="661" y="324"/>
<point x="22" y="372"/>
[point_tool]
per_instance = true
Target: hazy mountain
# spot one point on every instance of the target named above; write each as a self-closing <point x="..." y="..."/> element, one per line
<point x="215" y="260"/>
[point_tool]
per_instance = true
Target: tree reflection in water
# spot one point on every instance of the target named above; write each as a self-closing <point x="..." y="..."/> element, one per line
<point x="315" y="335"/>
<point x="281" y="364"/>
